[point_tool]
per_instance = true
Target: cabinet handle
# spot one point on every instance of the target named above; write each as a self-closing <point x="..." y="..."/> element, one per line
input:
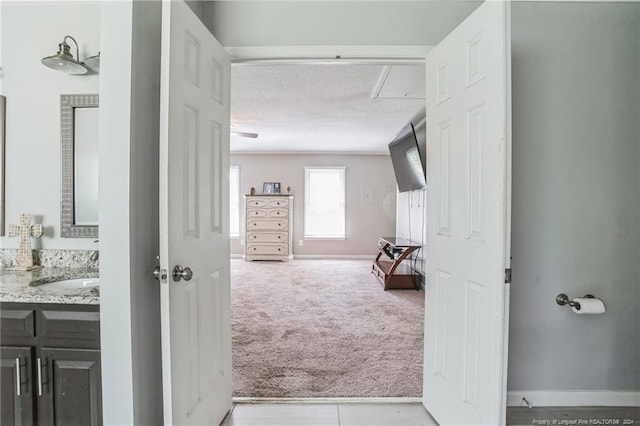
<point x="39" y="362"/>
<point x="18" y="381"/>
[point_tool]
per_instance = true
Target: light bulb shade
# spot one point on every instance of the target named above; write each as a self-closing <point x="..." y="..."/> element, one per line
<point x="64" y="60"/>
<point x="93" y="62"/>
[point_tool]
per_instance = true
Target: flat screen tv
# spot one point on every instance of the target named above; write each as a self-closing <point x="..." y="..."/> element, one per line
<point x="407" y="159"/>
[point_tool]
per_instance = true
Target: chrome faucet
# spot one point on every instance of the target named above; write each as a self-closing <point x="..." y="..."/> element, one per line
<point x="94" y="256"/>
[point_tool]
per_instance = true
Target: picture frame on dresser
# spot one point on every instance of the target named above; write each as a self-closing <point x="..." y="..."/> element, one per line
<point x="271" y="188"/>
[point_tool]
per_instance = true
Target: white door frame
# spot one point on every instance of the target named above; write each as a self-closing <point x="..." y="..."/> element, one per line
<point x="328" y="54"/>
<point x="384" y="54"/>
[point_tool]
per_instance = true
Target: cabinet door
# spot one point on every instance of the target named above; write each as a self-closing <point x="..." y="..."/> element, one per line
<point x="16" y="386"/>
<point x="71" y="387"/>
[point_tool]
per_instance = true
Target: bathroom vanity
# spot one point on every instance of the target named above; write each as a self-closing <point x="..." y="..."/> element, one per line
<point x="49" y="349"/>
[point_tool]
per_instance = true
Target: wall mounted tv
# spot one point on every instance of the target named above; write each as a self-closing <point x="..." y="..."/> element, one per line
<point x="407" y="156"/>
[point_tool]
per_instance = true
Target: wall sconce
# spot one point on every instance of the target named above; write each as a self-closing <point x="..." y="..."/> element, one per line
<point x="93" y="62"/>
<point x="65" y="62"/>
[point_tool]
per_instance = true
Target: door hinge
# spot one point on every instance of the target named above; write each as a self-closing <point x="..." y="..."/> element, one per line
<point x="507" y="276"/>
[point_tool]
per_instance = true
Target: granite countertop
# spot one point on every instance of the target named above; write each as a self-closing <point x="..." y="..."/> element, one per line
<point x="22" y="287"/>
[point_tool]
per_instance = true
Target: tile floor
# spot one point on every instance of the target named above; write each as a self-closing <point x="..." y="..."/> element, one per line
<point x="328" y="414"/>
<point x="413" y="414"/>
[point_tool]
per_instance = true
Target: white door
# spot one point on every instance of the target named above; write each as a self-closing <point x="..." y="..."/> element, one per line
<point x="467" y="221"/>
<point x="194" y="221"/>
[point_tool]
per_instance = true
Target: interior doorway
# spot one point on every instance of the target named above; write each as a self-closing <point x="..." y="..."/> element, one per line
<point x="378" y="83"/>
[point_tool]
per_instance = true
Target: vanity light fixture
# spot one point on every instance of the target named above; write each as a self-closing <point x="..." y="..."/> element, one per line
<point x="93" y="62"/>
<point x="64" y="60"/>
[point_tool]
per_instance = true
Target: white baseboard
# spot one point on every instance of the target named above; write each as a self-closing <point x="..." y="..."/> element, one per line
<point x="335" y="256"/>
<point x="575" y="398"/>
<point x="322" y="256"/>
<point x="342" y="400"/>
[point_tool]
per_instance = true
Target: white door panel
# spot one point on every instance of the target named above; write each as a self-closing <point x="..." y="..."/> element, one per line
<point x="194" y="168"/>
<point x="466" y="221"/>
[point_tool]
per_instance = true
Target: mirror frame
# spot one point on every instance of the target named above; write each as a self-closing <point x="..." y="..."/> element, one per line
<point x="68" y="228"/>
<point x="3" y="109"/>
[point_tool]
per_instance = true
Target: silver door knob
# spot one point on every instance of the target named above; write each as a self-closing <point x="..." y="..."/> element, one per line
<point x="180" y="273"/>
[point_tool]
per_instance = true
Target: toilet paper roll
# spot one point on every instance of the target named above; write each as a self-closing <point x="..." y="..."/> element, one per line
<point x="588" y="306"/>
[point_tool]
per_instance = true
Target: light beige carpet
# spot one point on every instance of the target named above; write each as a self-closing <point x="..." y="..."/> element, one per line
<point x="323" y="328"/>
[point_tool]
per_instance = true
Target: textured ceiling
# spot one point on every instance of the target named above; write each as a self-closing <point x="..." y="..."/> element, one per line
<point x="322" y="107"/>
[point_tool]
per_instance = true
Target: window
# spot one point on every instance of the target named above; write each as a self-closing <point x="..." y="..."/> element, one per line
<point x="324" y="202"/>
<point x="234" y="201"/>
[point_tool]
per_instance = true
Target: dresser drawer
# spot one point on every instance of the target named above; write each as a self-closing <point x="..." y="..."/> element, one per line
<point x="256" y="213"/>
<point x="267" y="237"/>
<point x="256" y="203"/>
<point x="267" y="224"/>
<point x="280" y="202"/>
<point x="268" y="249"/>
<point x="278" y="213"/>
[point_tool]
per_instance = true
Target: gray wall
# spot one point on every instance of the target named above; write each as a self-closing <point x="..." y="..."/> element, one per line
<point x="144" y="220"/>
<point x="196" y="7"/>
<point x="129" y="296"/>
<point x="576" y="96"/>
<point x="322" y="23"/>
<point x="366" y="221"/>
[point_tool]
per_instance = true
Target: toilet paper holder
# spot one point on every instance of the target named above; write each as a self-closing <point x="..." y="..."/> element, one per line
<point x="562" y="299"/>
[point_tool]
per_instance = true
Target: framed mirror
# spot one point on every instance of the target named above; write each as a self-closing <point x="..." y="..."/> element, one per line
<point x="2" y="133"/>
<point x="79" y="186"/>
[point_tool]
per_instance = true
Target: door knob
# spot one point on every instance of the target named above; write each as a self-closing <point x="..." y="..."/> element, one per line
<point x="180" y="273"/>
<point x="160" y="274"/>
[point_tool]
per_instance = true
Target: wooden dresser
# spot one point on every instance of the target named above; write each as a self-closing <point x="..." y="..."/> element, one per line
<point x="269" y="220"/>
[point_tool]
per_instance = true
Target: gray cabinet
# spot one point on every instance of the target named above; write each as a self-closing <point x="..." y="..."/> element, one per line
<point x="56" y="349"/>
<point x="71" y="392"/>
<point x="16" y="386"/>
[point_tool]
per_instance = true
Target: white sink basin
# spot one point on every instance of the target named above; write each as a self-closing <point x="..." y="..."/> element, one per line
<point x="76" y="283"/>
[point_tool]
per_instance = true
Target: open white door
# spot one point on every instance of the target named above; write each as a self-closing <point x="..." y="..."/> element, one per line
<point x="468" y="208"/>
<point x="194" y="221"/>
